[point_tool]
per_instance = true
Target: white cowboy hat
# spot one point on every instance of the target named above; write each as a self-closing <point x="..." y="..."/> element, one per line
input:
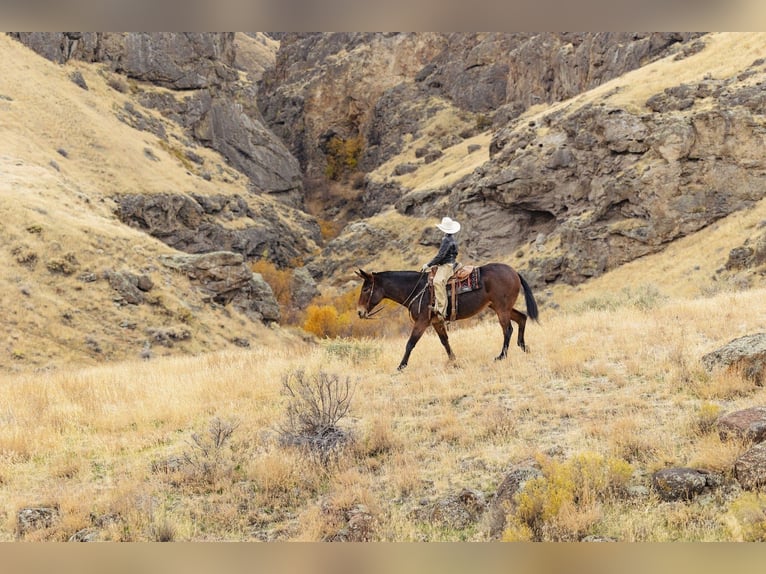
<point x="448" y="225"/>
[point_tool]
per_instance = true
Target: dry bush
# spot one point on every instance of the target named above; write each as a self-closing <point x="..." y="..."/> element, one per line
<point x="209" y="457"/>
<point x="315" y="406"/>
<point x="342" y="156"/>
<point x="565" y="502"/>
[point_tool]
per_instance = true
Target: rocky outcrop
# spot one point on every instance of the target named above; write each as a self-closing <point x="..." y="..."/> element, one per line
<point x="605" y="185"/>
<point x="746" y="355"/>
<point x="175" y="60"/>
<point x="225" y="279"/>
<point x="209" y="102"/>
<point x="200" y="224"/>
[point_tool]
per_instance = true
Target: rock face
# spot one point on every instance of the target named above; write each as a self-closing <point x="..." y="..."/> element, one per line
<point x="367" y="84"/>
<point x="608" y="185"/>
<point x="225" y="278"/>
<point x="746" y="354"/>
<point x="175" y="60"/>
<point x="199" y="224"/>
<point x="326" y="85"/>
<point x="601" y="183"/>
<point x="210" y="103"/>
<point x="589" y="186"/>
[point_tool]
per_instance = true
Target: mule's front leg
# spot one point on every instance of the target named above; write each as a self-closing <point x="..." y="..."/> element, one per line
<point x="441" y="330"/>
<point x="417" y="332"/>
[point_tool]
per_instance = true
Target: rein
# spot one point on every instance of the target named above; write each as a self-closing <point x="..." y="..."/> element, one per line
<point x="407" y="300"/>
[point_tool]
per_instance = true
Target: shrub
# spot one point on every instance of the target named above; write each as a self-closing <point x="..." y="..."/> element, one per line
<point x="325" y="321"/>
<point x="206" y="457"/>
<point x="279" y="280"/>
<point x="316" y="404"/>
<point x="341" y="321"/>
<point x="342" y="156"/>
<point x="564" y="502"/>
<point x="746" y="518"/>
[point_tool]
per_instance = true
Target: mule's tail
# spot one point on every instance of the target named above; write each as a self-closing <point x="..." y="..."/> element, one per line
<point x="529" y="299"/>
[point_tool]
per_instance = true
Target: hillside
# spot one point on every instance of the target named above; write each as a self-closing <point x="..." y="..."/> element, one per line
<point x="65" y="157"/>
<point x="103" y="183"/>
<point x="148" y="391"/>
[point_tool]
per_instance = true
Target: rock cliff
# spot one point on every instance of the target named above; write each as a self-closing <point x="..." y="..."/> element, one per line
<point x="580" y="163"/>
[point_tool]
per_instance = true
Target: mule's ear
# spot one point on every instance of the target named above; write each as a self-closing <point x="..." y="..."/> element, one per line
<point x="362" y="273"/>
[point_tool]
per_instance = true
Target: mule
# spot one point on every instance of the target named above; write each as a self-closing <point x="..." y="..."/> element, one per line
<point x="498" y="289"/>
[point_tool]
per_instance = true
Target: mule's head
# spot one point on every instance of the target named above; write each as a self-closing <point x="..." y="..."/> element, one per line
<point x="369" y="296"/>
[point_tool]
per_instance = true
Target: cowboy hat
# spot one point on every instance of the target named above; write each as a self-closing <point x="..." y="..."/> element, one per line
<point x="448" y="225"/>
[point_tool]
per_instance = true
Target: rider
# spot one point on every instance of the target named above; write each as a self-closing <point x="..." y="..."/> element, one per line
<point x="445" y="261"/>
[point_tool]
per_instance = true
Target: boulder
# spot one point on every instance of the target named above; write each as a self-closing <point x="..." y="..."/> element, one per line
<point x="35" y="518"/>
<point x="502" y="503"/>
<point x="748" y="424"/>
<point x="750" y="468"/>
<point x="129" y="286"/>
<point x="680" y="483"/>
<point x="745" y="354"/>
<point x="457" y="511"/>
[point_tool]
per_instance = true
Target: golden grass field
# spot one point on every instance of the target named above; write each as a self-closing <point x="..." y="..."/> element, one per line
<point x="623" y="384"/>
<point x="125" y="449"/>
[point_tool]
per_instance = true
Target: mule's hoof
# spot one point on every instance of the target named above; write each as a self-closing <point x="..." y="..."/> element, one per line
<point x="500" y="357"/>
<point x="401" y="367"/>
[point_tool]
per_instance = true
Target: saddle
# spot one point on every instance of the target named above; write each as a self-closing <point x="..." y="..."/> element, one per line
<point x="464" y="279"/>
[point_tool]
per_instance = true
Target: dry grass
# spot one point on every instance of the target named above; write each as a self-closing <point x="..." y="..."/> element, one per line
<point x="612" y="374"/>
<point x="622" y="384"/>
<point x="64" y="156"/>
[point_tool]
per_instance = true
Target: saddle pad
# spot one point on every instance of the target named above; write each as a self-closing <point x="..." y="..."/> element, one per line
<point x="470" y="282"/>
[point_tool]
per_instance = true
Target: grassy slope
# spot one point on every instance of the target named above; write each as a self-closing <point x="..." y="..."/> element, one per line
<point x="624" y="382"/>
<point x="63" y="156"/>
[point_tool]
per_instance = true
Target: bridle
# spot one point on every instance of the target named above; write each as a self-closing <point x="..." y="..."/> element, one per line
<point x="414" y="294"/>
<point x="371" y="313"/>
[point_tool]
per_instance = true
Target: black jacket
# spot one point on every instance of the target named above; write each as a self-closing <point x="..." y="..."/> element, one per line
<point x="447" y="252"/>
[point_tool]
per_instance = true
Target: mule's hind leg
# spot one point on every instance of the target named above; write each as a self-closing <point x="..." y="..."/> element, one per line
<point x="521" y="320"/>
<point x="441" y="330"/>
<point x="505" y="325"/>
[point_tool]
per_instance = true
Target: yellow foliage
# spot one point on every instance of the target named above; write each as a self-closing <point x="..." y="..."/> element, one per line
<point x="746" y="518"/>
<point x="564" y="501"/>
<point x="325" y="321"/>
<point x="342" y="156"/>
<point x="279" y="280"/>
